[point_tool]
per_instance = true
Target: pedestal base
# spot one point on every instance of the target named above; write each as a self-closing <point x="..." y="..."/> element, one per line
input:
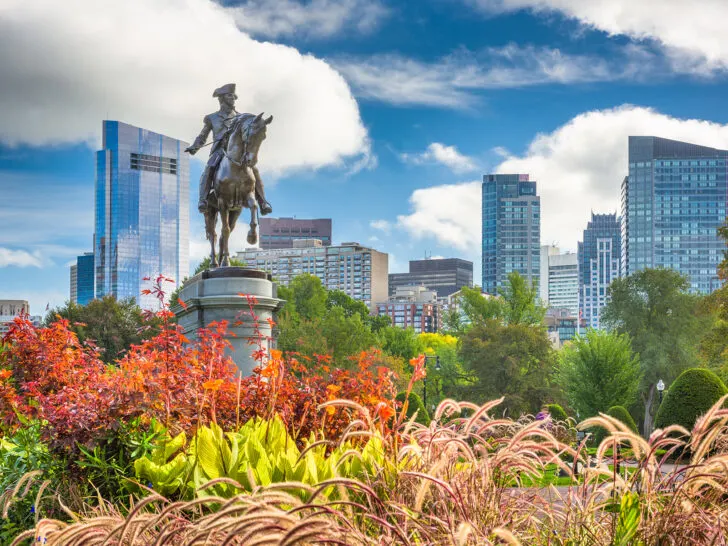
<point x="215" y="295"/>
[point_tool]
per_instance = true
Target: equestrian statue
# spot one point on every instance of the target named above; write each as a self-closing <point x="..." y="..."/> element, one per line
<point x="231" y="181"/>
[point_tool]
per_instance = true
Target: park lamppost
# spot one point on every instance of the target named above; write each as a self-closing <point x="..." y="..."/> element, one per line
<point x="424" y="381"/>
<point x="660" y="388"/>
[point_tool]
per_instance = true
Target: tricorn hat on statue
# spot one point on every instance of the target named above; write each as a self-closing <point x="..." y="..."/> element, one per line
<point x="224" y="90"/>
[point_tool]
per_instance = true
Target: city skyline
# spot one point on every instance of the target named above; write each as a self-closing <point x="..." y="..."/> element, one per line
<point x="387" y="113"/>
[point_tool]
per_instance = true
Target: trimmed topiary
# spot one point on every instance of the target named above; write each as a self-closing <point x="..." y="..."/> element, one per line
<point x="689" y="397"/>
<point x="556" y="412"/>
<point x="415" y="405"/>
<point x="620" y="413"/>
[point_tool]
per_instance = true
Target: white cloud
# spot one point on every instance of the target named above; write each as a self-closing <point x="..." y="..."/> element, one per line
<point x="381" y="225"/>
<point x="19" y="258"/>
<point x="440" y="153"/>
<point x="692" y="33"/>
<point x="155" y="63"/>
<point x="452" y="80"/>
<point x="316" y="19"/>
<point x="450" y="213"/>
<point x="579" y="167"/>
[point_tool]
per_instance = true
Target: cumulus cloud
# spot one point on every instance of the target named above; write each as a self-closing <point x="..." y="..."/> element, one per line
<point x="316" y="19"/>
<point x="450" y="213"/>
<point x="154" y="63"/>
<point x="693" y="34"/>
<point x="579" y="168"/>
<point x="19" y="258"/>
<point x="452" y="80"/>
<point x="446" y="155"/>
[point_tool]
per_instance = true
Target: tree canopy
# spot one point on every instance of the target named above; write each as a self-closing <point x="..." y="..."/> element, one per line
<point x="511" y="360"/>
<point x="597" y="371"/>
<point x="655" y="308"/>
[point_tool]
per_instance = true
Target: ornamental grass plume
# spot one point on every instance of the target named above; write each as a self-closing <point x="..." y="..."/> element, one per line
<point x="461" y="481"/>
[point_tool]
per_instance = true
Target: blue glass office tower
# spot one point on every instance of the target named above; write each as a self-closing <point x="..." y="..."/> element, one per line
<point x="85" y="276"/>
<point x="142" y="211"/>
<point x="599" y="258"/>
<point x="673" y="200"/>
<point x="511" y="229"/>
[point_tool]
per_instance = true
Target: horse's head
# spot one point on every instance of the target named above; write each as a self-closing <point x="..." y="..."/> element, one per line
<point x="258" y="126"/>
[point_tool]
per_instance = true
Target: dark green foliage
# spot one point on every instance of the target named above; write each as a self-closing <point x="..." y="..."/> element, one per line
<point x="515" y="361"/>
<point x="415" y="405"/>
<point x="112" y="325"/>
<point x="689" y="397"/>
<point x="556" y="412"/>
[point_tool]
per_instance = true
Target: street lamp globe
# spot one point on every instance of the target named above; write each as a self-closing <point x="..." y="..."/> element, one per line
<point x="660" y="386"/>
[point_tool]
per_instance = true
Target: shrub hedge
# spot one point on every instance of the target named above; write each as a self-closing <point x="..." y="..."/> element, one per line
<point x="689" y="397"/>
<point x="556" y="412"/>
<point x="415" y="405"/>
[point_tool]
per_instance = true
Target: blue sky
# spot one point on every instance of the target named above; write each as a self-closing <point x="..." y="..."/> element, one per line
<point x="387" y="114"/>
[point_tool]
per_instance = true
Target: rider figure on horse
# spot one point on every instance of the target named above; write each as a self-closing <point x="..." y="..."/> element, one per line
<point x="220" y="123"/>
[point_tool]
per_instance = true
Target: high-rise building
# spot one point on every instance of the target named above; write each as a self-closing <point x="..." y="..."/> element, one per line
<point x="543" y="276"/>
<point x="511" y="229"/>
<point x="413" y="307"/>
<point x="74" y="284"/>
<point x="85" y="276"/>
<point x="281" y="232"/>
<point x="142" y="211"/>
<point x="445" y="276"/>
<point x="673" y="201"/>
<point x="563" y="282"/>
<point x="360" y="272"/>
<point x="599" y="264"/>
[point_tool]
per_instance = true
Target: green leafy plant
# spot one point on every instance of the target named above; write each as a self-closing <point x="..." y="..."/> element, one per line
<point x="261" y="453"/>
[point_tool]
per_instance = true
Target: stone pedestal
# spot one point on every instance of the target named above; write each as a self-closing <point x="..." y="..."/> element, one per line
<point x="213" y="295"/>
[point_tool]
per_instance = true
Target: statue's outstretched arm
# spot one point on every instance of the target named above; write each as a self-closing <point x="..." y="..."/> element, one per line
<point x="201" y="138"/>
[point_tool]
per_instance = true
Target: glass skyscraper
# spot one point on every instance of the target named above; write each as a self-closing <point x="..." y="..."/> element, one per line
<point x="599" y="258"/>
<point x="673" y="200"/>
<point x="85" y="278"/>
<point x="142" y="211"/>
<point x="511" y="229"/>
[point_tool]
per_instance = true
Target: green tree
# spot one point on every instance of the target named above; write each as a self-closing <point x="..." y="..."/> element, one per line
<point x="112" y="325"/>
<point x="520" y="301"/>
<point x="597" y="371"/>
<point x="692" y="394"/>
<point x="451" y="380"/>
<point x="337" y="298"/>
<point x="714" y="344"/>
<point x="511" y="360"/>
<point x="305" y="297"/>
<point x="478" y="308"/>
<point x="401" y="342"/>
<point x="654" y="307"/>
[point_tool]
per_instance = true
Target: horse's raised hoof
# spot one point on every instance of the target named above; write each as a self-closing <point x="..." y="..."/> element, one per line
<point x="252" y="237"/>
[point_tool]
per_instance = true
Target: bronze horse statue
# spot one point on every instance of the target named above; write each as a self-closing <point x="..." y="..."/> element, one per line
<point x="233" y="187"/>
